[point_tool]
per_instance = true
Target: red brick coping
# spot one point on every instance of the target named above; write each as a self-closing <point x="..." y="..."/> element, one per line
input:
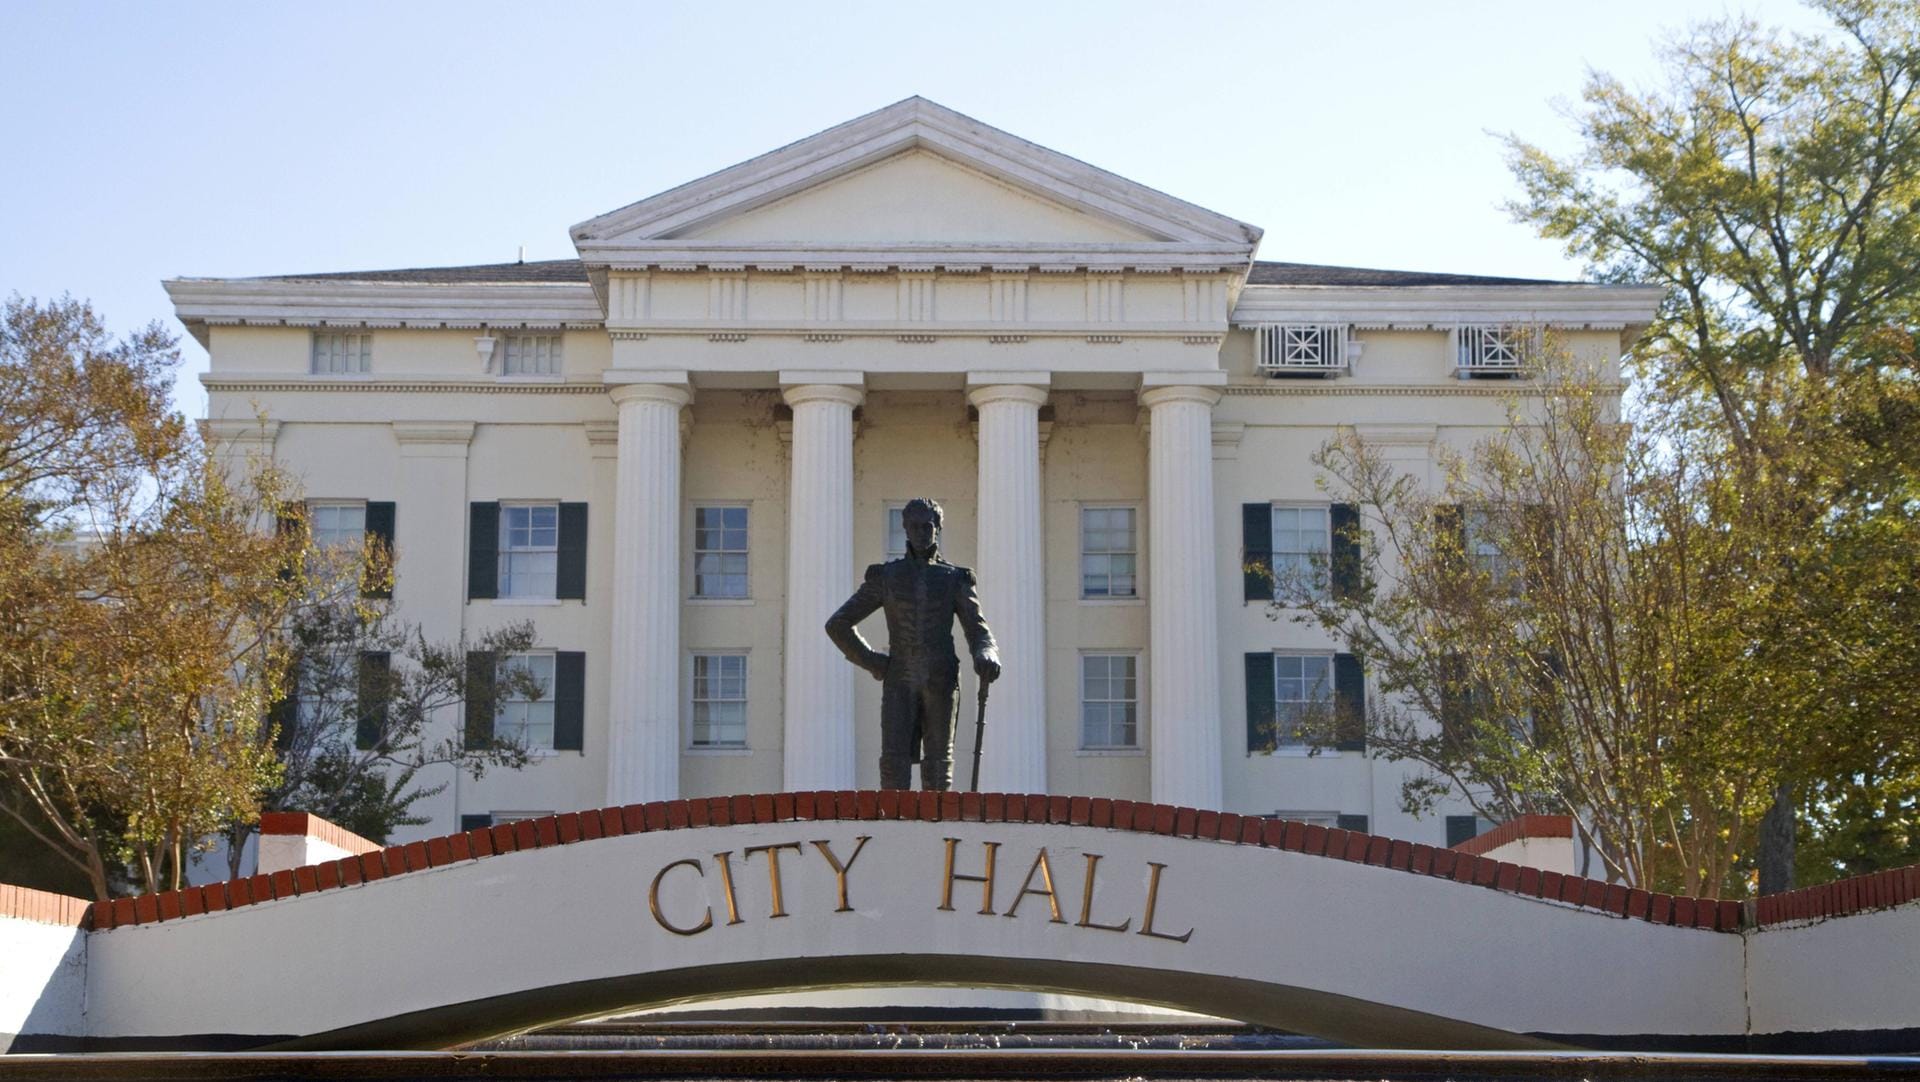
<point x="42" y="907"/>
<point x="1254" y="831"/>
<point x="301" y="824"/>
<point x="1526" y="826"/>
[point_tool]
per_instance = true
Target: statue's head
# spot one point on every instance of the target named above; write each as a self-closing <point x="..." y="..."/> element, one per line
<point x="920" y="518"/>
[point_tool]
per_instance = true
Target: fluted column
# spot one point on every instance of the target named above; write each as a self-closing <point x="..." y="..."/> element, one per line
<point x="1183" y="646"/>
<point x="819" y="682"/>
<point x="643" y="722"/>
<point x="1012" y="586"/>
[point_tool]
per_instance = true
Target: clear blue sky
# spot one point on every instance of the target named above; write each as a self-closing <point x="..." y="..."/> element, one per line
<point x="158" y="140"/>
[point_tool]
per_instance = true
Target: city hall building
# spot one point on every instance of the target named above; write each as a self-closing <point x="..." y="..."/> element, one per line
<point x="676" y="455"/>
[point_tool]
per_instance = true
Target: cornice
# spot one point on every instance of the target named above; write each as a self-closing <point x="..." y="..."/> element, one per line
<point x="203" y="302"/>
<point x="1452" y="388"/>
<point x="680" y="256"/>
<point x="817" y="332"/>
<point x="269" y="384"/>
<point x="1439" y="307"/>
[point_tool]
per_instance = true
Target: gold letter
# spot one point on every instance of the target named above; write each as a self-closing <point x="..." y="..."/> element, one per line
<point x="1153" y="897"/>
<point x="726" y="878"/>
<point x="1026" y="887"/>
<point x="985" y="881"/>
<point x="840" y="870"/>
<point x="773" y="870"/>
<point x="1086" y="903"/>
<point x="653" y="900"/>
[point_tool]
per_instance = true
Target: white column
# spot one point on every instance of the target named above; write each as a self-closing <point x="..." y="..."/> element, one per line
<point x="820" y="574"/>
<point x="1184" y="637"/>
<point x="1012" y="587"/>
<point x="643" y="723"/>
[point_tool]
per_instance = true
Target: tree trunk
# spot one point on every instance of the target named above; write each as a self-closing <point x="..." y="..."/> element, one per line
<point x="1777" y="843"/>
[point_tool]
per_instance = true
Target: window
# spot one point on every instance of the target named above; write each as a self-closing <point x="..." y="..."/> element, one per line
<point x="1109" y="701"/>
<point x="1491" y="349"/>
<point x="531" y="355"/>
<point x="720" y="552"/>
<point x="338" y="525"/>
<point x="528" y="721"/>
<point x="529" y="549"/>
<point x="1328" y="819"/>
<point x="1108" y="552"/>
<point x="326" y="690"/>
<point x="896" y="532"/>
<point x="335" y="354"/>
<point x="1481" y="532"/>
<point x="719" y="701"/>
<point x="1301" y="348"/>
<point x="1301" y="544"/>
<point x="1302" y="697"/>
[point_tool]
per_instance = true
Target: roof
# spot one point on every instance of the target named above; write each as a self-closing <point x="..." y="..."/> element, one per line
<point x="545" y="270"/>
<point x="1313" y="274"/>
<point x="573" y="270"/>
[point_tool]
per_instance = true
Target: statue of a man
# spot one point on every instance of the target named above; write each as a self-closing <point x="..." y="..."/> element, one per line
<point x="921" y="594"/>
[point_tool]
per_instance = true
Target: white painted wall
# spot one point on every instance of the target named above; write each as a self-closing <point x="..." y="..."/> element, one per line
<point x="42" y="979"/>
<point x="1546" y="854"/>
<point x="1858" y="972"/>
<point x="581" y="912"/>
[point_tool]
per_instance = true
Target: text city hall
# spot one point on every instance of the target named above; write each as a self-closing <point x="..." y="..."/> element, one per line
<point x="1041" y="881"/>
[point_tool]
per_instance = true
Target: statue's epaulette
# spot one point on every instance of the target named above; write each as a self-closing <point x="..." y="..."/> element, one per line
<point x="874" y="571"/>
<point x="966" y="573"/>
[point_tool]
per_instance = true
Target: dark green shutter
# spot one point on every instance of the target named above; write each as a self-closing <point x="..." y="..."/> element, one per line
<point x="1345" y="559"/>
<point x="1349" y="703"/>
<point x="1455" y="702"/>
<point x="1460" y="828"/>
<point x="476" y="822"/>
<point x="380" y="532"/>
<point x="569" y="697"/>
<point x="1450" y="535"/>
<point x="1356" y="823"/>
<point x="571" y="581"/>
<point x="1256" y="550"/>
<point x="1260" y="720"/>
<point x="287" y="520"/>
<point x="483" y="551"/>
<point x="370" y="725"/>
<point x="480" y="704"/>
<point x="283" y="714"/>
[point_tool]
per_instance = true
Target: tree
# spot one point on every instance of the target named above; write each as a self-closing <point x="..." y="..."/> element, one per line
<point x="139" y="604"/>
<point x="1773" y="184"/>
<point x="357" y="724"/>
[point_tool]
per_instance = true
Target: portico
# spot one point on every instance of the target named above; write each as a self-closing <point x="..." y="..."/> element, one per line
<point x="913" y="249"/>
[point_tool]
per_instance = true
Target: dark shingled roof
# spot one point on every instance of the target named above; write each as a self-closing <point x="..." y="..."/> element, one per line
<point x="1311" y="274"/>
<point x="545" y="270"/>
<point x="572" y="270"/>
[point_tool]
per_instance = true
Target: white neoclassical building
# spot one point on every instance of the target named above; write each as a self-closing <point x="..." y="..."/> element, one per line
<point x="676" y="454"/>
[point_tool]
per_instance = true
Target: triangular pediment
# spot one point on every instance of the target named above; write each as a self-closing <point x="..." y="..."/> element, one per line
<point x="914" y="182"/>
<point x="917" y="197"/>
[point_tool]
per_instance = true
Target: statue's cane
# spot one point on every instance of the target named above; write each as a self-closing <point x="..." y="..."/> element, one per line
<point x="979" y="735"/>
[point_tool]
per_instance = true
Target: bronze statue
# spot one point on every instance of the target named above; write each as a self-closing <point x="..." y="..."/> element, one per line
<point x="921" y="594"/>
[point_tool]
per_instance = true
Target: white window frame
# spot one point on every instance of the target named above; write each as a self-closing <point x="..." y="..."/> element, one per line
<point x="890" y="514"/>
<point x="505" y="817"/>
<point x="355" y="347"/>
<point x="503" y="578"/>
<point x="518" y="342"/>
<point x="1138" y="747"/>
<point x="1138" y="595"/>
<point x="503" y="729"/>
<point x="1316" y="586"/>
<point x="1328" y="819"/>
<point x="689" y="743"/>
<point x="314" y="507"/>
<point x="1301" y="749"/>
<point x="695" y="551"/>
<point x="1303" y="348"/>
